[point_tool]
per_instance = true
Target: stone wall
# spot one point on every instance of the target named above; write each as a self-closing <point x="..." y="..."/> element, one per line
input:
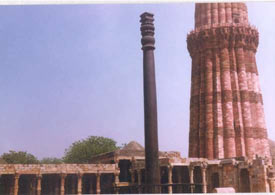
<point x="56" y="168"/>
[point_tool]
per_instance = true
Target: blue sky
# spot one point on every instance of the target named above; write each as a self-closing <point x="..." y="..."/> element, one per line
<point x="71" y="71"/>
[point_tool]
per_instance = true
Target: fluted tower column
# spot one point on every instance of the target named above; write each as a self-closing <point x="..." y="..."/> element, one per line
<point x="226" y="107"/>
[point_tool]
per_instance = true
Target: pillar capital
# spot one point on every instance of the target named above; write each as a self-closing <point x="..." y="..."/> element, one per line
<point x="204" y="165"/>
<point x="133" y="159"/>
<point x="116" y="159"/>
<point x="38" y="176"/>
<point x="17" y="175"/>
<point x="98" y="174"/>
<point x="236" y="165"/>
<point x="116" y="172"/>
<point x="80" y="175"/>
<point x="191" y="167"/>
<point x="147" y="31"/>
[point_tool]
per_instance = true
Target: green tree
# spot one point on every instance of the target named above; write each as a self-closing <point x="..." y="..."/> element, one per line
<point x="2" y="161"/>
<point x="51" y="161"/>
<point x="82" y="151"/>
<point x="20" y="157"/>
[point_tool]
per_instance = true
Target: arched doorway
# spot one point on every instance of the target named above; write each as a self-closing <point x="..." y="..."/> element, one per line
<point x="215" y="180"/>
<point x="244" y="181"/>
<point x="197" y="179"/>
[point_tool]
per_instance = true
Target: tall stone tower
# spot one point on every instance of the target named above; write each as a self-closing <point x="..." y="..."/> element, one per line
<point x="226" y="109"/>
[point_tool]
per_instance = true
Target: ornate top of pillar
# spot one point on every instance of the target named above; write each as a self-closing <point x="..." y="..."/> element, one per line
<point x="204" y="165"/>
<point x="220" y="14"/>
<point x="99" y="173"/>
<point x="147" y="31"/>
<point x="17" y="175"/>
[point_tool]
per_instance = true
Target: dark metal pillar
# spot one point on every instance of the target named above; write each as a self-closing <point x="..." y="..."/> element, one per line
<point x="152" y="171"/>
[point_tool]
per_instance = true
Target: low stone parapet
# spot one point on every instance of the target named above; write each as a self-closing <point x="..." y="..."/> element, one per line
<point x="56" y="168"/>
<point x="224" y="190"/>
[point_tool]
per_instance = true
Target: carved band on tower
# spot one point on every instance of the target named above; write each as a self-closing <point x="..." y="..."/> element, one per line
<point x="226" y="107"/>
<point x="152" y="171"/>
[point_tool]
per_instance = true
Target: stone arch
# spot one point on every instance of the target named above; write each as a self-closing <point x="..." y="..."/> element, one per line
<point x="50" y="184"/>
<point x="244" y="180"/>
<point x="198" y="179"/>
<point x="106" y="183"/>
<point x="89" y="183"/>
<point x="26" y="184"/>
<point x="164" y="178"/>
<point x="215" y="180"/>
<point x="6" y="184"/>
<point x="71" y="184"/>
<point x="124" y="166"/>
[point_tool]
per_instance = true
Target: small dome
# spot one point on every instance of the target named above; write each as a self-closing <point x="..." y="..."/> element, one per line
<point x="133" y="145"/>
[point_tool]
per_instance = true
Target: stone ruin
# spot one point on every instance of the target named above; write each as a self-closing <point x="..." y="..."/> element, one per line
<point x="228" y="146"/>
<point x="114" y="172"/>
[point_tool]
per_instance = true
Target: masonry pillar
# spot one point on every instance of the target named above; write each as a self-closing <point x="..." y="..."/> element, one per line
<point x="220" y="167"/>
<point x="62" y="183"/>
<point x="191" y="175"/>
<point x="38" y="185"/>
<point x="236" y="178"/>
<point x="98" y="183"/>
<point x="16" y="181"/>
<point x="204" y="184"/>
<point x="116" y="181"/>
<point x="271" y="184"/>
<point x="152" y="170"/>
<point x="79" y="184"/>
<point x="250" y="179"/>
<point x="139" y="180"/>
<point x="170" y="181"/>
<point x="132" y="176"/>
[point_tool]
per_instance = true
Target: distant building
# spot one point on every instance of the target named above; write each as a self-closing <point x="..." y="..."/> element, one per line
<point x="122" y="171"/>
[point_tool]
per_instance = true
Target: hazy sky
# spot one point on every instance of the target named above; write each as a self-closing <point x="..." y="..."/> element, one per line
<point x="71" y="71"/>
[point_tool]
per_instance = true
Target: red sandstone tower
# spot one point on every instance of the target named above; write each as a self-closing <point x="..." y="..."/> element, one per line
<point x="226" y="108"/>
